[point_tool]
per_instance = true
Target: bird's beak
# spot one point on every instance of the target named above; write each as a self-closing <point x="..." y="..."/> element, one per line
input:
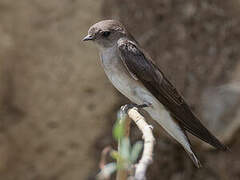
<point x="88" y="38"/>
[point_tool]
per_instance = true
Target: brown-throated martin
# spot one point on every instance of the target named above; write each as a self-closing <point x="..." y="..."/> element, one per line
<point x="136" y="76"/>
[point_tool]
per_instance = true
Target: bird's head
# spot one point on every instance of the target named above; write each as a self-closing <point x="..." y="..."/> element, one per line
<point x="106" y="33"/>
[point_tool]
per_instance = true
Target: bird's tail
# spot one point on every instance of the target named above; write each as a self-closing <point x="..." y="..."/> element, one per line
<point x="195" y="160"/>
<point x="174" y="129"/>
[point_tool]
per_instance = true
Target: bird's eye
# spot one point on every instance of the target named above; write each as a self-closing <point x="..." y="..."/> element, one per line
<point x="106" y="33"/>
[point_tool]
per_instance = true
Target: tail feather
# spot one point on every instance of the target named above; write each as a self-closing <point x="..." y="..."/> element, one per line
<point x="174" y="129"/>
<point x="211" y="139"/>
<point x="195" y="160"/>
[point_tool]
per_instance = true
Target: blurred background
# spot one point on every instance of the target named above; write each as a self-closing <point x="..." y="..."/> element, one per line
<point x="57" y="107"/>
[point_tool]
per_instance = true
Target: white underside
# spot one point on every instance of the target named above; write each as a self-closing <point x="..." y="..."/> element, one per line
<point x="137" y="93"/>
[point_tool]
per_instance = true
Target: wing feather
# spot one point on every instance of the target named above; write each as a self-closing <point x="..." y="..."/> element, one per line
<point x="145" y="70"/>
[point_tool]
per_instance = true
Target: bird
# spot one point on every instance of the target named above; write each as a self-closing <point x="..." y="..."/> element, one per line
<point x="133" y="72"/>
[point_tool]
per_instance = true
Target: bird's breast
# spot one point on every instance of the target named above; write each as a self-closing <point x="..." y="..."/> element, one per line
<point x="116" y="72"/>
<point x="122" y="80"/>
<point x="119" y="76"/>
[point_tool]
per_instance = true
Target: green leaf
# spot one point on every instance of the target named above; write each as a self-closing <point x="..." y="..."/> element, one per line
<point x="136" y="149"/>
<point x="115" y="155"/>
<point x="118" y="129"/>
<point x="120" y="161"/>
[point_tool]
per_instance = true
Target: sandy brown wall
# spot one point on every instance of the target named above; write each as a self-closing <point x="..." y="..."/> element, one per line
<point x="57" y="107"/>
<point x="54" y="96"/>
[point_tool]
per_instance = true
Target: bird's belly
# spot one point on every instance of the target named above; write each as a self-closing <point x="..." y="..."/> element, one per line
<point x="126" y="84"/>
<point x="135" y="91"/>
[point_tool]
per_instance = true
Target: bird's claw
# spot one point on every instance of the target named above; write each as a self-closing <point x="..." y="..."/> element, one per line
<point x="126" y="107"/>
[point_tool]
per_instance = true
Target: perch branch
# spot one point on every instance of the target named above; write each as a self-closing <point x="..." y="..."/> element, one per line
<point x="147" y="156"/>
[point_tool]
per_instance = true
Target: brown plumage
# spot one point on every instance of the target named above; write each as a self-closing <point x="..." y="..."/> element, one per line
<point x="135" y="75"/>
<point x="155" y="81"/>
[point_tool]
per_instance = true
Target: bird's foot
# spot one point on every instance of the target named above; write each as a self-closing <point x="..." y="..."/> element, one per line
<point x="146" y="104"/>
<point x="126" y="107"/>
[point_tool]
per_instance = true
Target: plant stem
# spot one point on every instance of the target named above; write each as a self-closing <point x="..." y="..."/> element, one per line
<point x="122" y="174"/>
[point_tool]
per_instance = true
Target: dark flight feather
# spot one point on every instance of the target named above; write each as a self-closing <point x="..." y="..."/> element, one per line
<point x="144" y="69"/>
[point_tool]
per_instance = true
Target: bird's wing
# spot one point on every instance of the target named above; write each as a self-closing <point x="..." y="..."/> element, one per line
<point x="154" y="80"/>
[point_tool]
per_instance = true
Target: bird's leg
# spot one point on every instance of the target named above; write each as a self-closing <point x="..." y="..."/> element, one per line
<point x="126" y="107"/>
<point x="145" y="104"/>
